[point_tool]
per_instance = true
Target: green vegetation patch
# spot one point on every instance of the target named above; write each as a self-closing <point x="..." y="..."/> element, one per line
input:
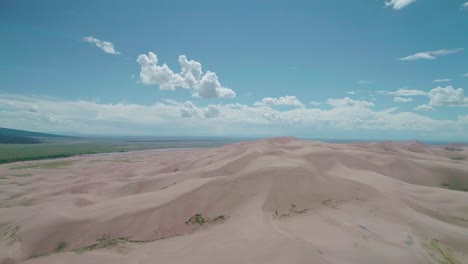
<point x="454" y="186"/>
<point x="198" y="219"/>
<point x="67" y="147"/>
<point x="48" y="165"/>
<point x="454" y="148"/>
<point x="21" y="175"/>
<point x="440" y="253"/>
<point x="458" y="158"/>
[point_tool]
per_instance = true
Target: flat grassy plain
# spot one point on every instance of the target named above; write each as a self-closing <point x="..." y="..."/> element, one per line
<point x="60" y="148"/>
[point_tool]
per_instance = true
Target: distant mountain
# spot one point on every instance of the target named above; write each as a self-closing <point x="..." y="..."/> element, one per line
<point x="14" y="136"/>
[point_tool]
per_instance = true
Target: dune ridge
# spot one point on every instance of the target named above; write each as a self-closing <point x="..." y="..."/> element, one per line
<point x="279" y="200"/>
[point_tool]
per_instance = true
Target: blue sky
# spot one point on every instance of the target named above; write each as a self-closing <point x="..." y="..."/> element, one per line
<point x="372" y="69"/>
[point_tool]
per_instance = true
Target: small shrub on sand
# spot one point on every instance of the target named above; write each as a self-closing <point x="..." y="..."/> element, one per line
<point x="196" y="219"/>
<point x="61" y="246"/>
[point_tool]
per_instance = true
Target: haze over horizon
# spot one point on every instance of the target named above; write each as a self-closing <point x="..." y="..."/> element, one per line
<point x="320" y="69"/>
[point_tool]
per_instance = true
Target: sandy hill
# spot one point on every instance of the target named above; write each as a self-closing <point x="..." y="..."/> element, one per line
<point x="278" y="200"/>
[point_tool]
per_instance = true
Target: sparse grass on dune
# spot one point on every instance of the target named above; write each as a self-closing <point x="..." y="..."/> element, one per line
<point x="440" y="253"/>
<point x="106" y="241"/>
<point x="48" y="165"/>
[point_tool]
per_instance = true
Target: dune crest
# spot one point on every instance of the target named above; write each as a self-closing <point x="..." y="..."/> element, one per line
<point x="279" y="200"/>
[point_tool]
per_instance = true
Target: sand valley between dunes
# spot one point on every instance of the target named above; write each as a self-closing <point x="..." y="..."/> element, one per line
<point x="278" y="200"/>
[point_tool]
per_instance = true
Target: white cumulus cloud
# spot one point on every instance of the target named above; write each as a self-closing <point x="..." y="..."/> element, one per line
<point x="402" y="99"/>
<point x="348" y="102"/>
<point x="211" y="111"/>
<point x="424" y="107"/>
<point x="398" y="4"/>
<point x="281" y="101"/>
<point x="447" y="96"/>
<point x="106" y="46"/>
<point x="190" y="77"/>
<point x="188" y="110"/>
<point x="169" y="117"/>
<point x="431" y="55"/>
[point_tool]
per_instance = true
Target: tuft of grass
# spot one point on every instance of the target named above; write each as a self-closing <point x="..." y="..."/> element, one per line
<point x="445" y="184"/>
<point x="10" y="234"/>
<point x="458" y="158"/>
<point x="61" y="246"/>
<point x="219" y="218"/>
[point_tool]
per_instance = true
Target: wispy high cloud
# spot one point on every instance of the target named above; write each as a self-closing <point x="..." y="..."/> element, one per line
<point x="464" y="5"/>
<point x="106" y="46"/>
<point x="315" y="103"/>
<point x="441" y="80"/>
<point x="281" y="101"/>
<point x="402" y="99"/>
<point x="404" y="92"/>
<point x="465" y="75"/>
<point x="365" y="82"/>
<point x="191" y="76"/>
<point x="431" y="55"/>
<point x="398" y="4"/>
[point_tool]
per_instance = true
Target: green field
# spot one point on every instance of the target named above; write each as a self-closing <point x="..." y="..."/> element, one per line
<point x="61" y="148"/>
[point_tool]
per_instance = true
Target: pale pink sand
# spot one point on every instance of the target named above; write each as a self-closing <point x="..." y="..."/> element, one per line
<point x="285" y="201"/>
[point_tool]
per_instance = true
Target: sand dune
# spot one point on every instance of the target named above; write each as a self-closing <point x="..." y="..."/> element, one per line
<point x="278" y="200"/>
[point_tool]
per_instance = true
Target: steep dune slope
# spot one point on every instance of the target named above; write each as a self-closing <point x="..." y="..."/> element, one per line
<point x="272" y="201"/>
